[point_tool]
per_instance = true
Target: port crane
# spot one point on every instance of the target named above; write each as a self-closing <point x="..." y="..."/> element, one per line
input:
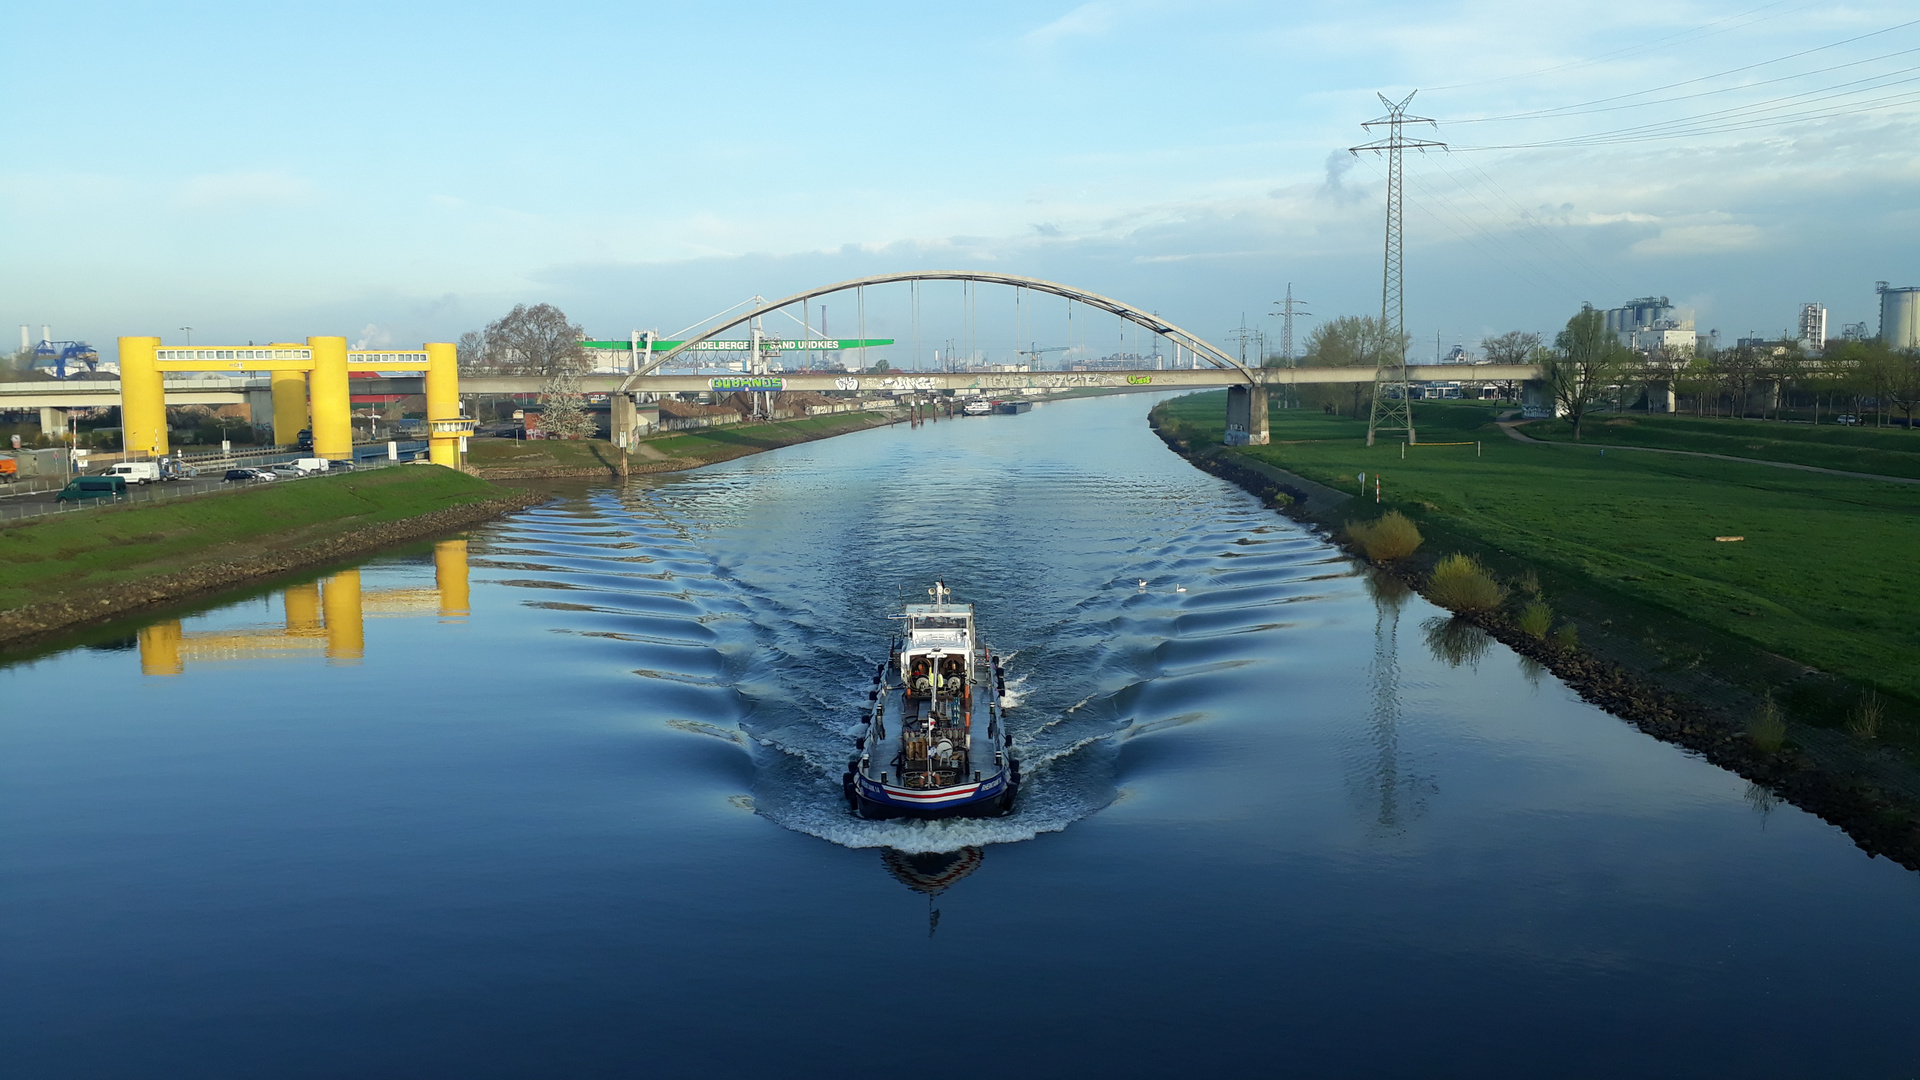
<point x="1033" y="354"/>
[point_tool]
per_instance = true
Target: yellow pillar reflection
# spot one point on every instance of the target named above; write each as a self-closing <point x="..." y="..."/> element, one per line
<point x="303" y="608"/>
<point x="346" y="634"/>
<point x="450" y="577"/>
<point x="160" y="649"/>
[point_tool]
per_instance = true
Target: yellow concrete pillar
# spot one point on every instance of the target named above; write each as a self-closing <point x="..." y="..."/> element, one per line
<point x="289" y="406"/>
<point x="450" y="577"/>
<point x="160" y="649"/>
<point x="303" y="609"/>
<point x="143" y="398"/>
<point x="332" y="399"/>
<point x="346" y="634"/>
<point x="443" y="402"/>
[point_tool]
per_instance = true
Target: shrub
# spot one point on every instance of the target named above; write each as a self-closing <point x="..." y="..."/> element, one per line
<point x="1460" y="584"/>
<point x="1391" y="537"/>
<point x="1767" y="728"/>
<point x="1567" y="637"/>
<point x="1529" y="583"/>
<point x="1865" y="722"/>
<point x="1536" y="620"/>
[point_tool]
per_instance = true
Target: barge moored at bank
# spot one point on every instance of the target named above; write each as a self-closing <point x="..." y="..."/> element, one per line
<point x="936" y="742"/>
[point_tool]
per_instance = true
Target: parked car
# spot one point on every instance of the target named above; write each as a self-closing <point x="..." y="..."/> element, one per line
<point x="84" y="488"/>
<point x="1846" y="418"/>
<point x="340" y="466"/>
<point x="287" y="470"/>
<point x="248" y="474"/>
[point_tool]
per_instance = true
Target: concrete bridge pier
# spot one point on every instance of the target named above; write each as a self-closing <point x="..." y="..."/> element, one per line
<point x="53" y="422"/>
<point x="1660" y="397"/>
<point x="1246" y="415"/>
<point x="623" y="424"/>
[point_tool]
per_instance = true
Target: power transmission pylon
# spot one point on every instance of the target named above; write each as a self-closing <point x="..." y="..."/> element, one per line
<point x="1288" y="309"/>
<point x="1390" y="370"/>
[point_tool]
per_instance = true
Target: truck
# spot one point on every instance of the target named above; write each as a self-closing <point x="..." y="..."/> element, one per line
<point x="137" y="472"/>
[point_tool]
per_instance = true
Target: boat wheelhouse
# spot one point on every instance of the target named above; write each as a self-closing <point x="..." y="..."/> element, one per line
<point x="935" y="742"/>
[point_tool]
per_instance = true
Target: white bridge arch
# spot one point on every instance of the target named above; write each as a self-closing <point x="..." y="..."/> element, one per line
<point x="1145" y="319"/>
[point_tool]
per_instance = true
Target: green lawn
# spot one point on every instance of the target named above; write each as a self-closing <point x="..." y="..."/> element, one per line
<point x="542" y="454"/>
<point x="1886" y="451"/>
<point x="51" y="556"/>
<point x="1824" y="575"/>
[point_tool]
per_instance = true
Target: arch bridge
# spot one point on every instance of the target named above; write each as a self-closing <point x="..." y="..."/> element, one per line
<point x="1247" y="387"/>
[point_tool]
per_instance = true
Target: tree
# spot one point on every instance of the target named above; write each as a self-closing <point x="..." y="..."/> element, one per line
<point x="1512" y="347"/>
<point x="565" y="413"/>
<point x="534" y="340"/>
<point x="472" y="353"/>
<point x="880" y="367"/>
<point x="1348" y="341"/>
<point x="1586" y="360"/>
<point x="1903" y="382"/>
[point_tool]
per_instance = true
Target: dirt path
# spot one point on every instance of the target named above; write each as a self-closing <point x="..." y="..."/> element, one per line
<point x="1511" y="428"/>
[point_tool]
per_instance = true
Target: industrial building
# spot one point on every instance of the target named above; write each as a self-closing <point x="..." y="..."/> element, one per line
<point x="1813" y="327"/>
<point x="1651" y="324"/>
<point x="1899" y="315"/>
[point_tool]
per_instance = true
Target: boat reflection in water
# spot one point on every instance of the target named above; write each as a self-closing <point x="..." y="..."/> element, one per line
<point x="325" y="617"/>
<point x="931" y="873"/>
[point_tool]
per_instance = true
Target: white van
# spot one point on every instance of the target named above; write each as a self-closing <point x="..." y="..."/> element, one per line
<point x="311" y="464"/>
<point x="136" y="472"/>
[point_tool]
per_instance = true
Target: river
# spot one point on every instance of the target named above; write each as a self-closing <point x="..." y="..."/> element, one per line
<point x="562" y="799"/>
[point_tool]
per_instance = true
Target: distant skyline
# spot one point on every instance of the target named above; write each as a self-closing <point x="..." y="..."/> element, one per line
<point x="401" y="173"/>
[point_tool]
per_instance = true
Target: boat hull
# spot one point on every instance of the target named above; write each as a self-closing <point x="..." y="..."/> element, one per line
<point x="991" y="797"/>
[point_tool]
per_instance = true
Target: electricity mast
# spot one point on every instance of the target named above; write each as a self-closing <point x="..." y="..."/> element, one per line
<point x="1288" y="309"/>
<point x="1390" y="370"/>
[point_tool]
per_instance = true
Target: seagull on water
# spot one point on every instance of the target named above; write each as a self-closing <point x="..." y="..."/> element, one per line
<point x="1143" y="583"/>
<point x="1179" y="588"/>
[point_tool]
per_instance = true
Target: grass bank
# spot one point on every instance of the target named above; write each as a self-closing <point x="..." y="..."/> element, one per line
<point x="1809" y="608"/>
<point x="503" y="459"/>
<point x="1885" y="451"/>
<point x="62" y="572"/>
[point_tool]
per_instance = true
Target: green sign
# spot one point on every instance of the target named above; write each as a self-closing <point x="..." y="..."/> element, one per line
<point x="747" y="382"/>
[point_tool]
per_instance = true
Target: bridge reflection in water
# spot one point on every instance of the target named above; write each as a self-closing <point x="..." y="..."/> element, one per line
<point x="325" y="617"/>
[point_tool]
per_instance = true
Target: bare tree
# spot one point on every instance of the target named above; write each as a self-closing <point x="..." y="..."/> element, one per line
<point x="564" y="412"/>
<point x="534" y="340"/>
<point x="1512" y="347"/>
<point x="1348" y="341"/>
<point x="1586" y="361"/>
<point x="472" y="351"/>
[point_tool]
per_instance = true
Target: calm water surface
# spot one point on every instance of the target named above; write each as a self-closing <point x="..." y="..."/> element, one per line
<point x="563" y="800"/>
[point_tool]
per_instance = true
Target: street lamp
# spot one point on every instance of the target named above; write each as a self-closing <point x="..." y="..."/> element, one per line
<point x="189" y="332"/>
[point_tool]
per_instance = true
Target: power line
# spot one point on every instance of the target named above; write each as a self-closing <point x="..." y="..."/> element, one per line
<point x="1582" y="109"/>
<point x="1642" y="47"/>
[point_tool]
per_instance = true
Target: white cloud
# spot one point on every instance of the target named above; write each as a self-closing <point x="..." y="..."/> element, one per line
<point x="244" y="190"/>
<point x="1700" y="240"/>
<point x="1087" y="20"/>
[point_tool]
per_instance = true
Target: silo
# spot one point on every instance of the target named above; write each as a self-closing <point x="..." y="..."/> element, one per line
<point x="1899" y="316"/>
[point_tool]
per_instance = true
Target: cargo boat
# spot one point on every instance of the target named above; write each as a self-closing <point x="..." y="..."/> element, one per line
<point x="935" y="740"/>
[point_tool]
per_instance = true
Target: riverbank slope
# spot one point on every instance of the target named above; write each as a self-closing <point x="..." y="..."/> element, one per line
<point x="1702" y="641"/>
<point x="671" y="451"/>
<point x="65" y="572"/>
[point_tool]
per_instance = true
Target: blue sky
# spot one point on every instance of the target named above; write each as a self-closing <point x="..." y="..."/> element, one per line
<point x="404" y="172"/>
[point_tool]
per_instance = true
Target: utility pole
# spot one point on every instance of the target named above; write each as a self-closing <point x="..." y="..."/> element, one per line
<point x="1390" y="371"/>
<point x="1288" y="309"/>
<point x="1244" y="335"/>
